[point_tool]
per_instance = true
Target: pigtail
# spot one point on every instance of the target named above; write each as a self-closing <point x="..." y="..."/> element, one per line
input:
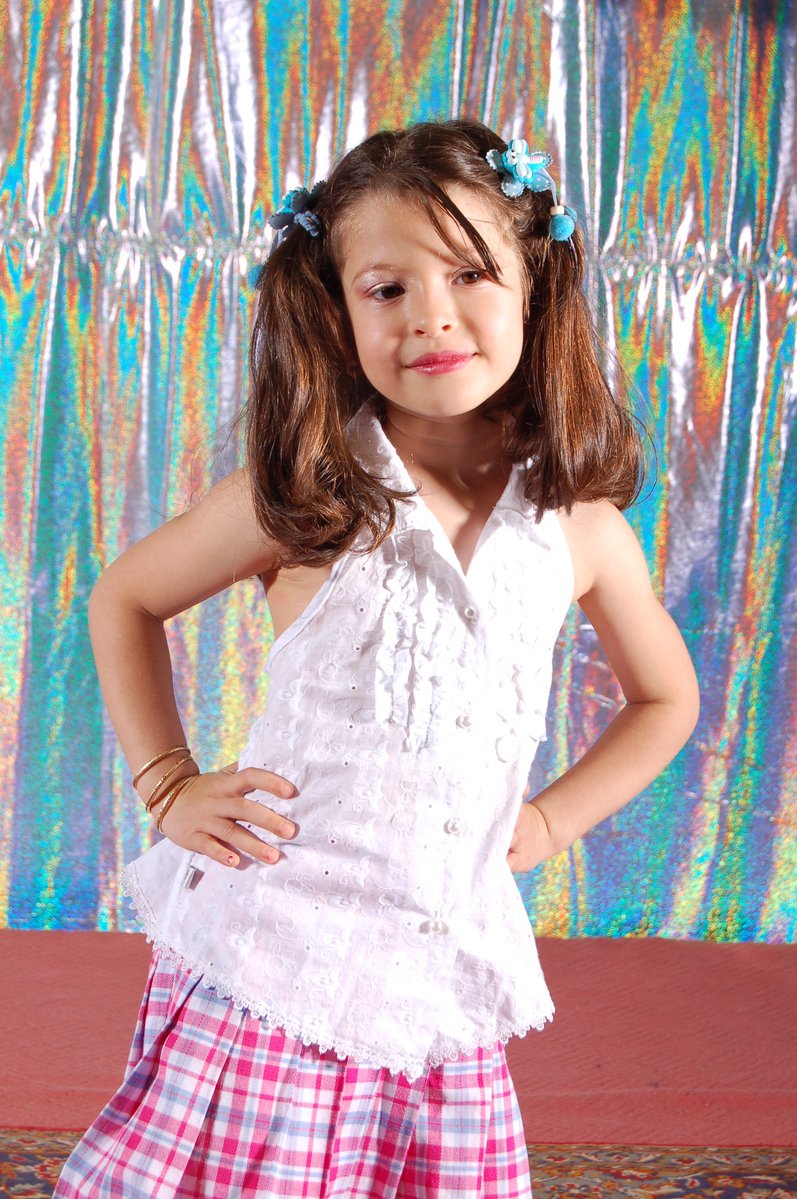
<point x="311" y="495"/>
<point x="582" y="437"/>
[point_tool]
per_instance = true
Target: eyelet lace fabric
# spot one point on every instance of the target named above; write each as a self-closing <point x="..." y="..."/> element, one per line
<point x="406" y="704"/>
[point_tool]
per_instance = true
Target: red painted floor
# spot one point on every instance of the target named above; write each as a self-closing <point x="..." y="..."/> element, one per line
<point x="654" y="1042"/>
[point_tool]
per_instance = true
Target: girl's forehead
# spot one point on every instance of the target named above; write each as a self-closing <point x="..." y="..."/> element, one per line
<point x="397" y="216"/>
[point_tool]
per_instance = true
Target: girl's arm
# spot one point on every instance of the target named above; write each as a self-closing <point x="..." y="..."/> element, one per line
<point x="195" y="555"/>
<point x="652" y="664"/>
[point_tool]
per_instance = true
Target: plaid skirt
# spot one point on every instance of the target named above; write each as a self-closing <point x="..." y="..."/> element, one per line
<point x="215" y="1103"/>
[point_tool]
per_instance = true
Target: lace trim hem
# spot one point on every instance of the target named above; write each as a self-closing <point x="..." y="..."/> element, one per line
<point x="307" y="1031"/>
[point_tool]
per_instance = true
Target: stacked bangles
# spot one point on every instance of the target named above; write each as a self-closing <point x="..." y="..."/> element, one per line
<point x="160" y="797"/>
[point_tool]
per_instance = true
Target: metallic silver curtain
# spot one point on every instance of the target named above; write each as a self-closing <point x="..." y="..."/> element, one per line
<point x="142" y="147"/>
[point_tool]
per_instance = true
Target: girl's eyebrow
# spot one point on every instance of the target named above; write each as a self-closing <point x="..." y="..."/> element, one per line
<point x="372" y="267"/>
<point x="375" y="267"/>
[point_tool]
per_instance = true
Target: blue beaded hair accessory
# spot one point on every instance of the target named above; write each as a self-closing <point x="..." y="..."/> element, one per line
<point x="295" y="210"/>
<point x="523" y="170"/>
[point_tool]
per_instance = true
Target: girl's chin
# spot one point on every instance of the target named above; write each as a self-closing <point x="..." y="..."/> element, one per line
<point x="439" y="408"/>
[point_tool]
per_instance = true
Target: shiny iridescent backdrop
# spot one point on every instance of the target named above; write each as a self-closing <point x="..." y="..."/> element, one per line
<point x="142" y="147"/>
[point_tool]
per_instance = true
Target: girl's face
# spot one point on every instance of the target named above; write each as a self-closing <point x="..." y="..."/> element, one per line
<point x="435" y="336"/>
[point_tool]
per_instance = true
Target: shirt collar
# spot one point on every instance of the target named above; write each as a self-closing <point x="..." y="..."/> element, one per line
<point x="374" y="449"/>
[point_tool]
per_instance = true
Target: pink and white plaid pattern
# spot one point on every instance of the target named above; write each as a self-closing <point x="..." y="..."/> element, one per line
<point x="217" y="1105"/>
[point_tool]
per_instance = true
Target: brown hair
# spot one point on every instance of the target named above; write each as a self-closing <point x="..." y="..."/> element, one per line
<point x="311" y="494"/>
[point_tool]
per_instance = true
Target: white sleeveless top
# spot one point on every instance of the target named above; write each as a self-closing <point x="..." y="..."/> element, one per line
<point x="406" y="704"/>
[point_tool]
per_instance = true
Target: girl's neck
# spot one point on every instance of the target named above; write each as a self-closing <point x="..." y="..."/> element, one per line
<point x="468" y="444"/>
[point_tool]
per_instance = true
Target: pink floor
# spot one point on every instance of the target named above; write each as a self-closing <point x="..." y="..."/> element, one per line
<point x="654" y="1042"/>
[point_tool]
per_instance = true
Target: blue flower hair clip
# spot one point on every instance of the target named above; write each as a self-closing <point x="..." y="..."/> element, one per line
<point x="523" y="170"/>
<point x="295" y="210"/>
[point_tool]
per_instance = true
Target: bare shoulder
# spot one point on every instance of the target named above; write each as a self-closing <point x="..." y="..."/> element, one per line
<point x="231" y="499"/>
<point x="196" y="554"/>
<point x="603" y="546"/>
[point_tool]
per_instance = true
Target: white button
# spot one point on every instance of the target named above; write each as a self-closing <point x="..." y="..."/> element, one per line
<point x="464" y="720"/>
<point x="435" y="928"/>
<point x="470" y="612"/>
<point x="452" y="825"/>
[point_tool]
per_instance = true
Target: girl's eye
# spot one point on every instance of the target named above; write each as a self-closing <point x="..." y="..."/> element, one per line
<point x="472" y="276"/>
<point x="379" y="292"/>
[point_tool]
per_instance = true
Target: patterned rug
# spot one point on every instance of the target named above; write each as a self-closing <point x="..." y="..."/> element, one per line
<point x="30" y="1163"/>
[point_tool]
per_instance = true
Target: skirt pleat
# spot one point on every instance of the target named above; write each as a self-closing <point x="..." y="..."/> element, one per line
<point x="215" y="1103"/>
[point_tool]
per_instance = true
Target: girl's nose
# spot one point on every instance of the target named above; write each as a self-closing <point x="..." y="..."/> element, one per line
<point x="432" y="314"/>
<point x="433" y="326"/>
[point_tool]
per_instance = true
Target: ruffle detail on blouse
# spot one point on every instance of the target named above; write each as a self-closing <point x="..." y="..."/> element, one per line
<point x="308" y="1030"/>
<point x="405" y="682"/>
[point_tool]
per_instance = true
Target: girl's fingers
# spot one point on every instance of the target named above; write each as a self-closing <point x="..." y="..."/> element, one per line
<point x="252" y="812"/>
<point x="211" y="848"/>
<point x="242" y="841"/>
<point x="231" y="813"/>
<point x="228" y="845"/>
<point x="252" y="778"/>
<point x="206" y="807"/>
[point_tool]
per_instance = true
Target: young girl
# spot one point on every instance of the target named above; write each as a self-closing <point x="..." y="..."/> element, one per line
<point x="435" y="467"/>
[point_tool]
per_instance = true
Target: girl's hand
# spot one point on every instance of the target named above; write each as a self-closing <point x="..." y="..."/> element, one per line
<point x="531" y="840"/>
<point x="205" y="817"/>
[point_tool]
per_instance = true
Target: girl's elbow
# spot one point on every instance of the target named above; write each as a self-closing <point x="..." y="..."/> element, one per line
<point x="689" y="709"/>
<point x="96" y="595"/>
<point x="107" y="599"/>
<point x="98" y="603"/>
<point x="680" y="713"/>
<point x="100" y="592"/>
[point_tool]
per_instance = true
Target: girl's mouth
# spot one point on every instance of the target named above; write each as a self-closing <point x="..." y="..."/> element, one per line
<point x="439" y="364"/>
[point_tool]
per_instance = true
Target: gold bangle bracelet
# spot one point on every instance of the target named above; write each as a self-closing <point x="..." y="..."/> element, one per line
<point x="162" y="780"/>
<point x="167" y="790"/>
<point x="179" y="786"/>
<point x="154" y="761"/>
<point x="163" y="800"/>
<point x="164" y="795"/>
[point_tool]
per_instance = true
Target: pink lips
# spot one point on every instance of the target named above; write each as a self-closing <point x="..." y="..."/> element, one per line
<point x="439" y="364"/>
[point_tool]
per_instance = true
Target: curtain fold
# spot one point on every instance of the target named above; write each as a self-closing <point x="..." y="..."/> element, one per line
<point x="142" y="147"/>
